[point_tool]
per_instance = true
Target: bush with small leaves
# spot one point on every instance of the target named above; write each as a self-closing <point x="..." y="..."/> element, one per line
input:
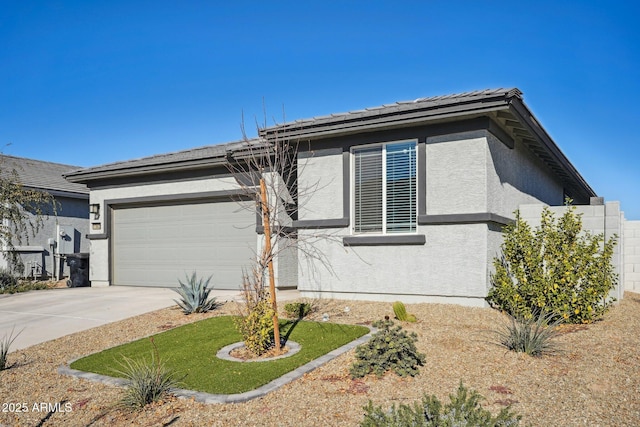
<point x="464" y="409"/>
<point x="534" y="336"/>
<point x="255" y="322"/>
<point x="558" y="267"/>
<point x="195" y="295"/>
<point x="297" y="310"/>
<point x="147" y="381"/>
<point x="390" y="348"/>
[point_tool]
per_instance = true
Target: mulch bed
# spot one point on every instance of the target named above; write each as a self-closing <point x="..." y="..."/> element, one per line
<point x="594" y="381"/>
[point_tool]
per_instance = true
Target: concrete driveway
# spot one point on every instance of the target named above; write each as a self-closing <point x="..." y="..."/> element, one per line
<point x="49" y="314"/>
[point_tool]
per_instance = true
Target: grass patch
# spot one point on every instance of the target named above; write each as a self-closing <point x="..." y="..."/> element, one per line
<point x="190" y="351"/>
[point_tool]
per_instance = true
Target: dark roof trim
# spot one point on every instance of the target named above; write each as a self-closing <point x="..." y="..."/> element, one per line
<point x="399" y="114"/>
<point x="437" y="110"/>
<point x="194" y="159"/>
<point x="524" y="115"/>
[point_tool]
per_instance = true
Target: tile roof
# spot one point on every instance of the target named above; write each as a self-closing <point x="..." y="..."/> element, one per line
<point x="162" y="161"/>
<point x="41" y="174"/>
<point x="437" y="103"/>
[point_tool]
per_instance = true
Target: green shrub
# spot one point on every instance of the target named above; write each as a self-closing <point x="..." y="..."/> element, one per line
<point x="195" y="295"/>
<point x="147" y="381"/>
<point x="297" y="309"/>
<point x="8" y="281"/>
<point x="464" y="409"/>
<point x="557" y="267"/>
<point x="534" y="336"/>
<point x="5" y="344"/>
<point x="256" y="322"/>
<point x="390" y="348"/>
<point x="401" y="312"/>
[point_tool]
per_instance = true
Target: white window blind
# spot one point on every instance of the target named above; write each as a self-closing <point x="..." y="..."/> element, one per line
<point x="385" y="188"/>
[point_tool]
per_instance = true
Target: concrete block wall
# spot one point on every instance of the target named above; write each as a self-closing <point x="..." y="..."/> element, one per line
<point x="631" y="246"/>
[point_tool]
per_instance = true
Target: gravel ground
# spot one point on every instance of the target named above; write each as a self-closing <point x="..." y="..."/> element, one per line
<point x="594" y="382"/>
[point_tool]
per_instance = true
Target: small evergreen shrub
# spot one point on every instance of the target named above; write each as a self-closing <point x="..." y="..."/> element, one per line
<point x="390" y="348"/>
<point x="297" y="310"/>
<point x="534" y="336"/>
<point x="464" y="409"/>
<point x="556" y="267"/>
<point x="194" y="295"/>
<point x="147" y="381"/>
<point x="256" y="322"/>
<point x="401" y="314"/>
<point x="5" y="345"/>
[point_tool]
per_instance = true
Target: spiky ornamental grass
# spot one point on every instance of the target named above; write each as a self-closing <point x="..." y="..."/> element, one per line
<point x="464" y="409"/>
<point x="195" y="295"/>
<point x="534" y="336"/>
<point x="5" y="344"/>
<point x="147" y="381"/>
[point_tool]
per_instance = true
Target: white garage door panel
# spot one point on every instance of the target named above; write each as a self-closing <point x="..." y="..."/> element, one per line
<point x="157" y="245"/>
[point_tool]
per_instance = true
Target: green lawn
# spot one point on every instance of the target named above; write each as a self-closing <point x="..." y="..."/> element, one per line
<point x="191" y="350"/>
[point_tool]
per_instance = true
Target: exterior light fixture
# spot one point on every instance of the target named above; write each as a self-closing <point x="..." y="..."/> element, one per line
<point x="94" y="208"/>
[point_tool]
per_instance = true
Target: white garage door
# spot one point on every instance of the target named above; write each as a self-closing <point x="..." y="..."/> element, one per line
<point x="157" y="245"/>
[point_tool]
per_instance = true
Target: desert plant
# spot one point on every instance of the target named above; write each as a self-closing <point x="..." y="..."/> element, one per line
<point x="195" y="295"/>
<point x="297" y="309"/>
<point x="147" y="381"/>
<point x="5" y="345"/>
<point x="464" y="409"/>
<point x="534" y="336"/>
<point x="557" y="267"/>
<point x="388" y="349"/>
<point x="401" y="312"/>
<point x="255" y="323"/>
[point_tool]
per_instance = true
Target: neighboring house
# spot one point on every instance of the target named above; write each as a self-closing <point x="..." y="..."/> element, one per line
<point x="64" y="231"/>
<point x="414" y="195"/>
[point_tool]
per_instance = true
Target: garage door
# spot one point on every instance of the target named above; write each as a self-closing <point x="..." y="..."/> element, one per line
<point x="157" y="245"/>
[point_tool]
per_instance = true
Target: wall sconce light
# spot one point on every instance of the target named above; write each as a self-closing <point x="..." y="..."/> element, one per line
<point x="94" y="208"/>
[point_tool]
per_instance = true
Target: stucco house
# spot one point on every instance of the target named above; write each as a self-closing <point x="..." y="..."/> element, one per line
<point x="414" y="195"/>
<point x="64" y="231"/>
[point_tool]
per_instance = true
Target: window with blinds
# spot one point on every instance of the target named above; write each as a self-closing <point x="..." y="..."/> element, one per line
<point x="385" y="188"/>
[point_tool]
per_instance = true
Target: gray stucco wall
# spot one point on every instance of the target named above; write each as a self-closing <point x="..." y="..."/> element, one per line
<point x="38" y="256"/>
<point x="466" y="173"/>
<point x="516" y="177"/>
<point x="450" y="267"/>
<point x="456" y="173"/>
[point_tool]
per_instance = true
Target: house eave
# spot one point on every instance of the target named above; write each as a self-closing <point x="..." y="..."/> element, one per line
<point x="372" y="121"/>
<point x="128" y="172"/>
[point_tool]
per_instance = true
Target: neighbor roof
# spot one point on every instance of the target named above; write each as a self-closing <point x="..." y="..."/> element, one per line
<point x="39" y="174"/>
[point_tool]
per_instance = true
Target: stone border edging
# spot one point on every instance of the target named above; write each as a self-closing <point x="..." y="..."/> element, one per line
<point x="239" y="397"/>
<point x="225" y="353"/>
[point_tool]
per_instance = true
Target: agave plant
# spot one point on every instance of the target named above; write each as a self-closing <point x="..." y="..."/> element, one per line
<point x="195" y="295"/>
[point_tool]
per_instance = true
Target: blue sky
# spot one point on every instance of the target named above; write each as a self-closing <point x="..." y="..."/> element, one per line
<point x="88" y="83"/>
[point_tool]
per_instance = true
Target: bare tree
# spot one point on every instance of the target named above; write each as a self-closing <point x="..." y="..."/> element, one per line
<point x="267" y="171"/>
